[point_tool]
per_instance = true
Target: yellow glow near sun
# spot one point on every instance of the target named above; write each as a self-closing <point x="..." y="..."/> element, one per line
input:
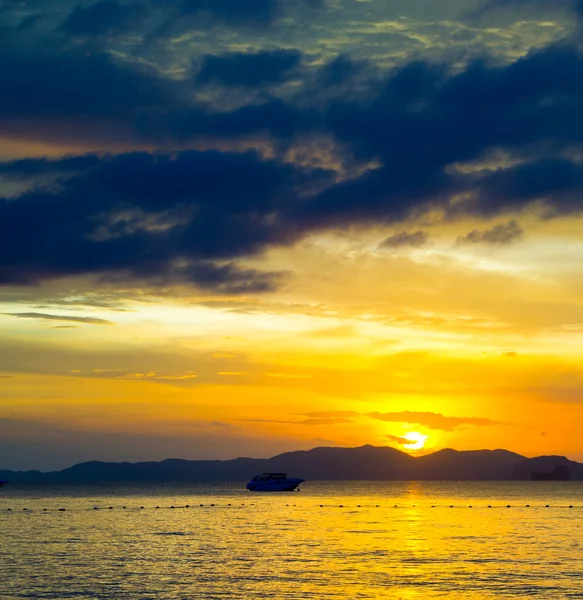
<point x="417" y="440"/>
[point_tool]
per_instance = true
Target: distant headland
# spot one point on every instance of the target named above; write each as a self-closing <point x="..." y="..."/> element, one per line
<point x="365" y="463"/>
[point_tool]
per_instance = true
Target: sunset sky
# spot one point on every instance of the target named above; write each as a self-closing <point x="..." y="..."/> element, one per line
<point x="241" y="227"/>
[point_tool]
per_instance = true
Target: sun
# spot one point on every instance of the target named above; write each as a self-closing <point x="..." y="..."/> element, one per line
<point x="417" y="440"/>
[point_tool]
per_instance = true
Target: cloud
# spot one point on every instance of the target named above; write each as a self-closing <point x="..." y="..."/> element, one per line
<point x="237" y="13"/>
<point x="490" y="5"/>
<point x="70" y="85"/>
<point x="195" y="217"/>
<point x="312" y="421"/>
<point x="49" y="317"/>
<point x="248" y="69"/>
<point x="233" y="11"/>
<point x="500" y="235"/>
<point x="181" y="218"/>
<point x="149" y="376"/>
<point x="288" y="375"/>
<point x="103" y="18"/>
<point x="402" y="441"/>
<point x="432" y="420"/>
<point x="232" y="373"/>
<point x="177" y="377"/>
<point x="325" y="421"/>
<point x="404" y="239"/>
<point x="326" y="414"/>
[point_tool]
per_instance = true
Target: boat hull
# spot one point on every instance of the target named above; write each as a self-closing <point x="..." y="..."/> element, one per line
<point x="288" y="485"/>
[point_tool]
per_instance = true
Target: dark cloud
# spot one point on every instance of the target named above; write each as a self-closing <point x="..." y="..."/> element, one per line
<point x="432" y="420"/>
<point x="500" y="235"/>
<point x="49" y="317"/>
<point x="235" y="12"/>
<point x="491" y="5"/>
<point x="405" y="239"/>
<point x="193" y="216"/>
<point x="69" y="85"/>
<point x="248" y="69"/>
<point x="339" y="70"/>
<point x="103" y="18"/>
<point x="556" y="182"/>
<point x="185" y="217"/>
<point x="28" y="22"/>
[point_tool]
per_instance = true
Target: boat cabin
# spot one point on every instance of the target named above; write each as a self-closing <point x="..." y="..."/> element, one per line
<point x="269" y="476"/>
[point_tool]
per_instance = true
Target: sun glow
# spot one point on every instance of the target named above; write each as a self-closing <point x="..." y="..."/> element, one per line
<point x="417" y="440"/>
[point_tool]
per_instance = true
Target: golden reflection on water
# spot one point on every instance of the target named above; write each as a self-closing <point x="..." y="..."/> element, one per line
<point x="331" y="541"/>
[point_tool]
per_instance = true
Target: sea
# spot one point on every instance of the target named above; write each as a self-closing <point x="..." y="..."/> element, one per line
<point x="331" y="540"/>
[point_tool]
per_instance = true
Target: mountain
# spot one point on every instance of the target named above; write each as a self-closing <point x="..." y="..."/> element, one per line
<point x="366" y="463"/>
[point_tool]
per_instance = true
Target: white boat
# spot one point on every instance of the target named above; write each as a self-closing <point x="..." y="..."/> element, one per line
<point x="273" y="482"/>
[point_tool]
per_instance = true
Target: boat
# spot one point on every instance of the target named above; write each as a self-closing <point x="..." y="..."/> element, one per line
<point x="2" y="482"/>
<point x="273" y="482"/>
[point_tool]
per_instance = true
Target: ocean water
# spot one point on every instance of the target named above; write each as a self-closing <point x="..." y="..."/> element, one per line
<point x="332" y="540"/>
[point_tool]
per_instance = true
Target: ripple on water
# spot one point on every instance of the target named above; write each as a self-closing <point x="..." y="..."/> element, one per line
<point x="312" y="549"/>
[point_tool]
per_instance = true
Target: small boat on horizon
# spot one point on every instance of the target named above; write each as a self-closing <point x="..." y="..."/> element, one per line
<point x="3" y="481"/>
<point x="273" y="482"/>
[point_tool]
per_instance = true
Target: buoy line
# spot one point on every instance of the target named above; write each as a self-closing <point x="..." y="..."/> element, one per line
<point x="242" y="505"/>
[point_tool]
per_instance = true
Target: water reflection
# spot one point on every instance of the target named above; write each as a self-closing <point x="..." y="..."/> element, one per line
<point x="232" y="544"/>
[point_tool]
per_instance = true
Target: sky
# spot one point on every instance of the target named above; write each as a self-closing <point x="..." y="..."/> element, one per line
<point x="240" y="228"/>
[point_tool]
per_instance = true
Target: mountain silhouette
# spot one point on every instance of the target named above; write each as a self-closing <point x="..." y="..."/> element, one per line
<point x="365" y="463"/>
